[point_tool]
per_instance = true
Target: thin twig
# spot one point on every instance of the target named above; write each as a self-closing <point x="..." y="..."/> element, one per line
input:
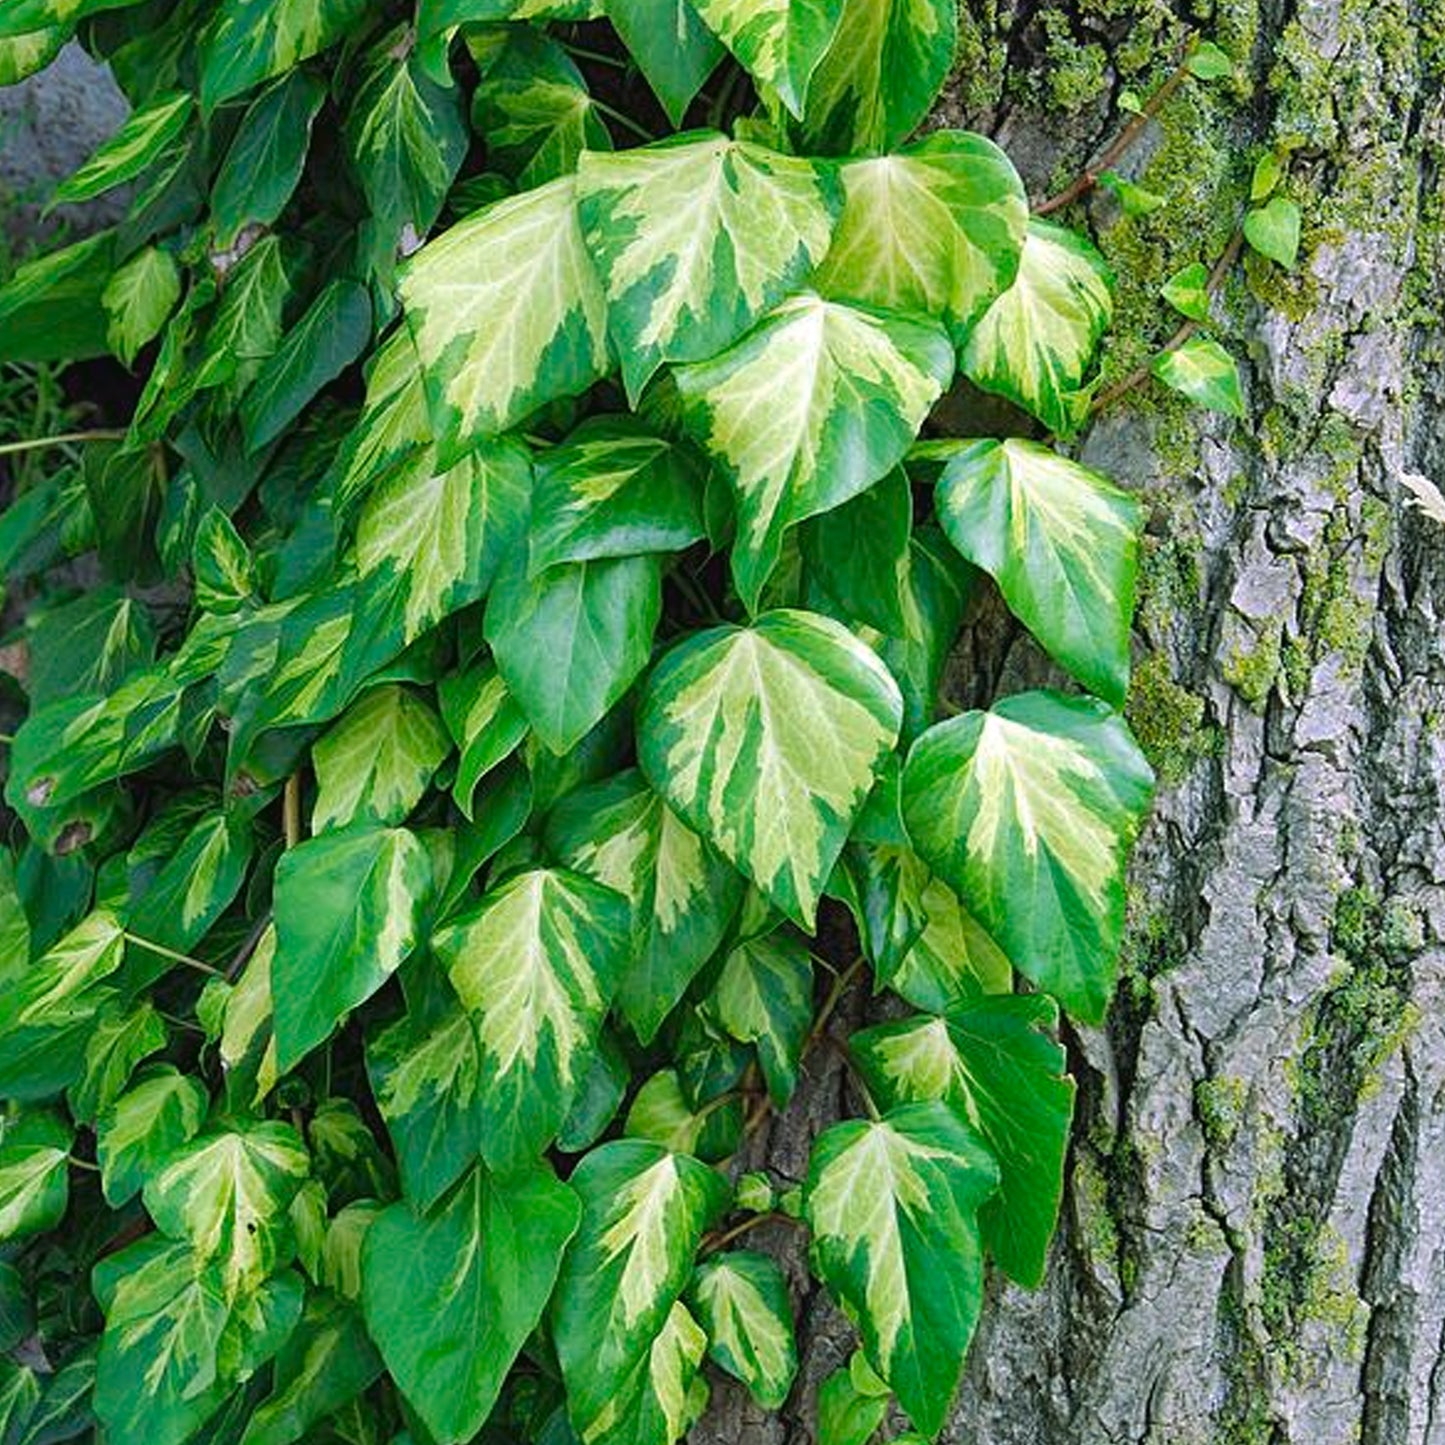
<point x="36" y="444"/>
<point x="243" y="954"/>
<point x="1142" y="373"/>
<point x="1123" y="142"/>
<point x="713" y="1243"/>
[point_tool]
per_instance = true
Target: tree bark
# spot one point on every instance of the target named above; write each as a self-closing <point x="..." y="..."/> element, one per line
<point x="1253" y="1243"/>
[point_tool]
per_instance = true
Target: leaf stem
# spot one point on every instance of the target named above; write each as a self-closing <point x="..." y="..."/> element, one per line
<point x="291" y="810"/>
<point x="253" y="939"/>
<point x="84" y="1164"/>
<point x="60" y="439"/>
<point x="1085" y="182"/>
<point x="624" y="120"/>
<point x="172" y="954"/>
<point x="716" y="1242"/>
<point x="583" y="53"/>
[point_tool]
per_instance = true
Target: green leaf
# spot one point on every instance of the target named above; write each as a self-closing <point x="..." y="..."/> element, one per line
<point x="1134" y="200"/>
<point x="348" y="907"/>
<point x="683" y="893"/>
<point x="375" y="763"/>
<point x="265" y="159"/>
<point x="485" y="723"/>
<point x="426" y="1076"/>
<point x="696" y="238"/>
<point x="19" y="1396"/>
<point x="407" y="137"/>
<point x="742" y="1301"/>
<point x="21" y="56"/>
<point x="778" y="43"/>
<point x="1029" y="811"/>
<point x="846" y="1414"/>
<point x="644" y="1212"/>
<point x="533" y="106"/>
<point x="571" y="642"/>
<point x="660" y="1112"/>
<point x="1208" y="62"/>
<point x="937" y="228"/>
<point x="612" y="489"/>
<point x="858" y="554"/>
<point x="143" y="1126"/>
<point x="507" y="314"/>
<point x="1187" y="291"/>
<point x="174" y="1346"/>
<point x="996" y="1062"/>
<point x="881" y="74"/>
<point x="64" y="1412"/>
<point x="663" y="1396"/>
<point x="598" y="1099"/>
<point x="120" y="1038"/>
<point x="22" y="16"/>
<point x="50" y="309"/>
<point x="430" y="539"/>
<point x="34" y="1177"/>
<point x="325" y="1364"/>
<point x="1273" y="230"/>
<point x="327" y="339"/>
<point x="671" y="45"/>
<point x="953" y="959"/>
<point x="247" y="43"/>
<point x="452" y="1298"/>
<point x="809" y="409"/>
<point x="228" y="1193"/>
<point x="536" y="965"/>
<point x="766" y="741"/>
<point x="1035" y="343"/>
<point x="1061" y="542"/>
<point x="222" y="568"/>
<point x="1203" y="371"/>
<point x="1268" y="173"/>
<point x="248" y="324"/>
<point x="131" y="150"/>
<point x="139" y="300"/>
<point x="87" y="645"/>
<point x="437" y="15"/>
<point x="892" y="1205"/>
<point x="764" y="996"/>
<point x="51" y="1008"/>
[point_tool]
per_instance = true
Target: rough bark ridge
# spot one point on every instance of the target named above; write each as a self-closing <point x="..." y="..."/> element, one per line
<point x="1253" y="1248"/>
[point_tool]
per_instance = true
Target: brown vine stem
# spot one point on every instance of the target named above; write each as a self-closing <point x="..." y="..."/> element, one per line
<point x="291" y="810"/>
<point x="720" y="1241"/>
<point x="1089" y="178"/>
<point x="36" y="444"/>
<point x="1142" y="373"/>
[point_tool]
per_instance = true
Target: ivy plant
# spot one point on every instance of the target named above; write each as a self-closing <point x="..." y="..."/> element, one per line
<point x="517" y="710"/>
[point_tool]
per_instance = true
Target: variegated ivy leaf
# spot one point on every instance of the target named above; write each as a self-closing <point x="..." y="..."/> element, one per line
<point x="644" y="1212"/>
<point x="374" y="764"/>
<point x="764" y="997"/>
<point x="893" y="1208"/>
<point x="778" y="42"/>
<point x="881" y="74"/>
<point x="671" y="46"/>
<point x="883" y="885"/>
<point x="434" y="16"/>
<point x="507" y="314"/>
<point x="696" y="238"/>
<point x="1061" y="542"/>
<point x="1035" y="343"/>
<point x="139" y="298"/>
<point x="175" y="1344"/>
<point x="807" y="410"/>
<point x="395" y="421"/>
<point x="349" y="907"/>
<point x="484" y="721"/>
<point x="660" y="1112"/>
<point x="1205" y="372"/>
<point x="23" y="16"/>
<point x="451" y="1298"/>
<point x="34" y="1178"/>
<point x="247" y="43"/>
<point x="664" y="1396"/>
<point x="996" y="1062"/>
<point x="228" y="1194"/>
<point x="742" y="1301"/>
<point x="51" y="1007"/>
<point x="21" y="56"/>
<point x="570" y="642"/>
<point x="766" y="740"/>
<point x="407" y="137"/>
<point x="937" y="228"/>
<point x="430" y="539"/>
<point x="536" y="965"/>
<point x="535" y="110"/>
<point x="119" y="1039"/>
<point x="953" y="959"/>
<point x="683" y="893"/>
<point x="130" y="151"/>
<point x="426" y="1075"/>
<point x="248" y="1043"/>
<point x="149" y="1121"/>
<point x="1029" y="811"/>
<point x="248" y="323"/>
<point x="613" y="489"/>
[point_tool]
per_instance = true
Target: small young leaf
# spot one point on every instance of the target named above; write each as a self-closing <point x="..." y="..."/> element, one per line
<point x="130" y="151"/>
<point x="139" y="300"/>
<point x="1204" y="372"/>
<point x="120" y="1038"/>
<point x="1134" y="200"/>
<point x="451" y="1298"/>
<point x="664" y="1395"/>
<point x="764" y="996"/>
<point x="485" y="723"/>
<point x="742" y="1301"/>
<point x="34" y="1174"/>
<point x="159" y="1113"/>
<point x="1208" y="62"/>
<point x="1187" y="291"/>
<point x="859" y="554"/>
<point x="1273" y="229"/>
<point x="1029" y="811"/>
<point x="1268" y="172"/>
<point x="847" y="1415"/>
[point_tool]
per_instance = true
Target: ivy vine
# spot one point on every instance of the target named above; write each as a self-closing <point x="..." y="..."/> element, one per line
<point x="529" y="574"/>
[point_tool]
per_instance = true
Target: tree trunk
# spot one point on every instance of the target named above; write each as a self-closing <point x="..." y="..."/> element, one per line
<point x="1253" y="1243"/>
